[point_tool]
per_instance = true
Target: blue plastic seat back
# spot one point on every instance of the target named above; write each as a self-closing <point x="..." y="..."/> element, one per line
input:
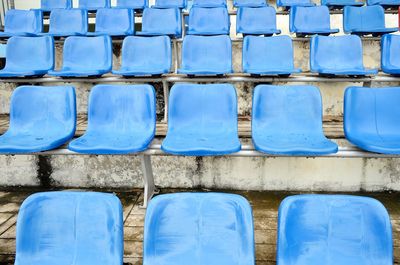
<point x="87" y="53"/>
<point x="115" y="21"/>
<point x="68" y="21"/>
<point x="93" y="5"/>
<point x="249" y="3"/>
<point x="309" y="19"/>
<point x="333" y="229"/>
<point x="49" y="5"/>
<point x="289" y="3"/>
<point x="151" y="54"/>
<point x="199" y="228"/>
<point x="70" y="228"/>
<point x="207" y="54"/>
<point x="134" y="4"/>
<point x="258" y="20"/>
<point x="209" y="21"/>
<point x="162" y="21"/>
<point x="363" y="18"/>
<point x="23" y="21"/>
<point x="26" y="54"/>
<point x="171" y="4"/>
<point x="209" y="3"/>
<point x="390" y="59"/>
<point x="384" y="2"/>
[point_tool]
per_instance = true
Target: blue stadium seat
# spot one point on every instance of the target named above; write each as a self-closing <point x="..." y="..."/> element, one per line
<point x="310" y="20"/>
<point x="206" y="55"/>
<point x="41" y="119"/>
<point x="171" y="4"/>
<point x="249" y="3"/>
<point x="28" y="56"/>
<point x="371" y="118"/>
<point x="202" y="120"/>
<point x="133" y="4"/>
<point x="161" y="21"/>
<point x="340" y="55"/>
<point x="86" y="56"/>
<point x="287" y="120"/>
<point x="209" y="21"/>
<point x="390" y="59"/>
<point x="365" y="20"/>
<point x="268" y="56"/>
<point x="384" y="3"/>
<point x="22" y="23"/>
<point x="339" y="4"/>
<point x="209" y="3"/>
<point x="114" y="22"/>
<point x="50" y="5"/>
<point x="121" y="120"/>
<point x="94" y="5"/>
<point x="256" y="21"/>
<point x="199" y="228"/>
<point x="289" y="3"/>
<point x="145" y="56"/>
<point x="333" y="229"/>
<point x="70" y="228"/>
<point x="68" y="22"/>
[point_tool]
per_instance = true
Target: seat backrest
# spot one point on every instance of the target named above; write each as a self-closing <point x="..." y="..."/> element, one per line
<point x="249" y="3"/>
<point x="341" y="52"/>
<point x="257" y="18"/>
<point x="162" y="20"/>
<point x="147" y="52"/>
<point x="207" y="52"/>
<point x="49" y="110"/>
<point x="23" y="21"/>
<point x="87" y="53"/>
<point x="310" y="18"/>
<point x="68" y="21"/>
<point x="55" y="4"/>
<point x="115" y="20"/>
<point x="132" y="3"/>
<point x="199" y="228"/>
<point x="94" y="4"/>
<point x="70" y="228"/>
<point x="171" y="3"/>
<point x="30" y="53"/>
<point x="363" y="18"/>
<point x="209" y="108"/>
<point x="333" y="229"/>
<point x="204" y="20"/>
<point x="209" y="3"/>
<point x="287" y="110"/>
<point x="280" y="3"/>
<point x="390" y="46"/>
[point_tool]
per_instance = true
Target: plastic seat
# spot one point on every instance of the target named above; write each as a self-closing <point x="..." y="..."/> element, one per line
<point x="372" y="118"/>
<point x="333" y="229"/>
<point x="22" y="23"/>
<point x="133" y="4"/>
<point x="161" y="21"/>
<point x="268" y="56"/>
<point x="86" y="56"/>
<point x="310" y="20"/>
<point x="171" y="4"/>
<point x="339" y="4"/>
<point x="287" y="120"/>
<point x="50" y="5"/>
<point x="114" y="22"/>
<point x="145" y="56"/>
<point x="249" y="3"/>
<point x="209" y="21"/>
<point x="202" y="120"/>
<point x="28" y="56"/>
<point x="68" y="22"/>
<point x="206" y="55"/>
<point x="70" y="228"/>
<point x="41" y="119"/>
<point x="340" y="55"/>
<point x="121" y="120"/>
<point x="390" y="59"/>
<point x="256" y="21"/>
<point x="199" y="228"/>
<point x="289" y="3"/>
<point x="94" y="5"/>
<point x="209" y="3"/>
<point x="384" y="3"/>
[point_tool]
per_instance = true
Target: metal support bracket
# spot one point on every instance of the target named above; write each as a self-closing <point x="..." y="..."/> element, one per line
<point x="148" y="179"/>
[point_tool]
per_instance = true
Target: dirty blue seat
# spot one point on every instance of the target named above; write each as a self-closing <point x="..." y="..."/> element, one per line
<point x="268" y="55"/>
<point x="121" y="120"/>
<point x="249" y="3"/>
<point x="28" y="56"/>
<point x="133" y="4"/>
<point x="22" y="23"/>
<point x="85" y="56"/>
<point x="310" y="20"/>
<point x="209" y="3"/>
<point x="209" y="21"/>
<point x="290" y="3"/>
<point x="68" y="22"/>
<point x="339" y="4"/>
<point x="333" y="229"/>
<point x="287" y="120"/>
<point x="41" y="119"/>
<point x="145" y="56"/>
<point x="372" y="118"/>
<point x="365" y="20"/>
<point x="114" y="22"/>
<point x="202" y="120"/>
<point x="384" y="3"/>
<point x="390" y="58"/>
<point x="161" y="21"/>
<point x="182" y="4"/>
<point x="199" y="228"/>
<point x="70" y="228"/>
<point x="94" y="5"/>
<point x="256" y="21"/>
<point x="341" y="55"/>
<point x="50" y="5"/>
<point x="206" y="55"/>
